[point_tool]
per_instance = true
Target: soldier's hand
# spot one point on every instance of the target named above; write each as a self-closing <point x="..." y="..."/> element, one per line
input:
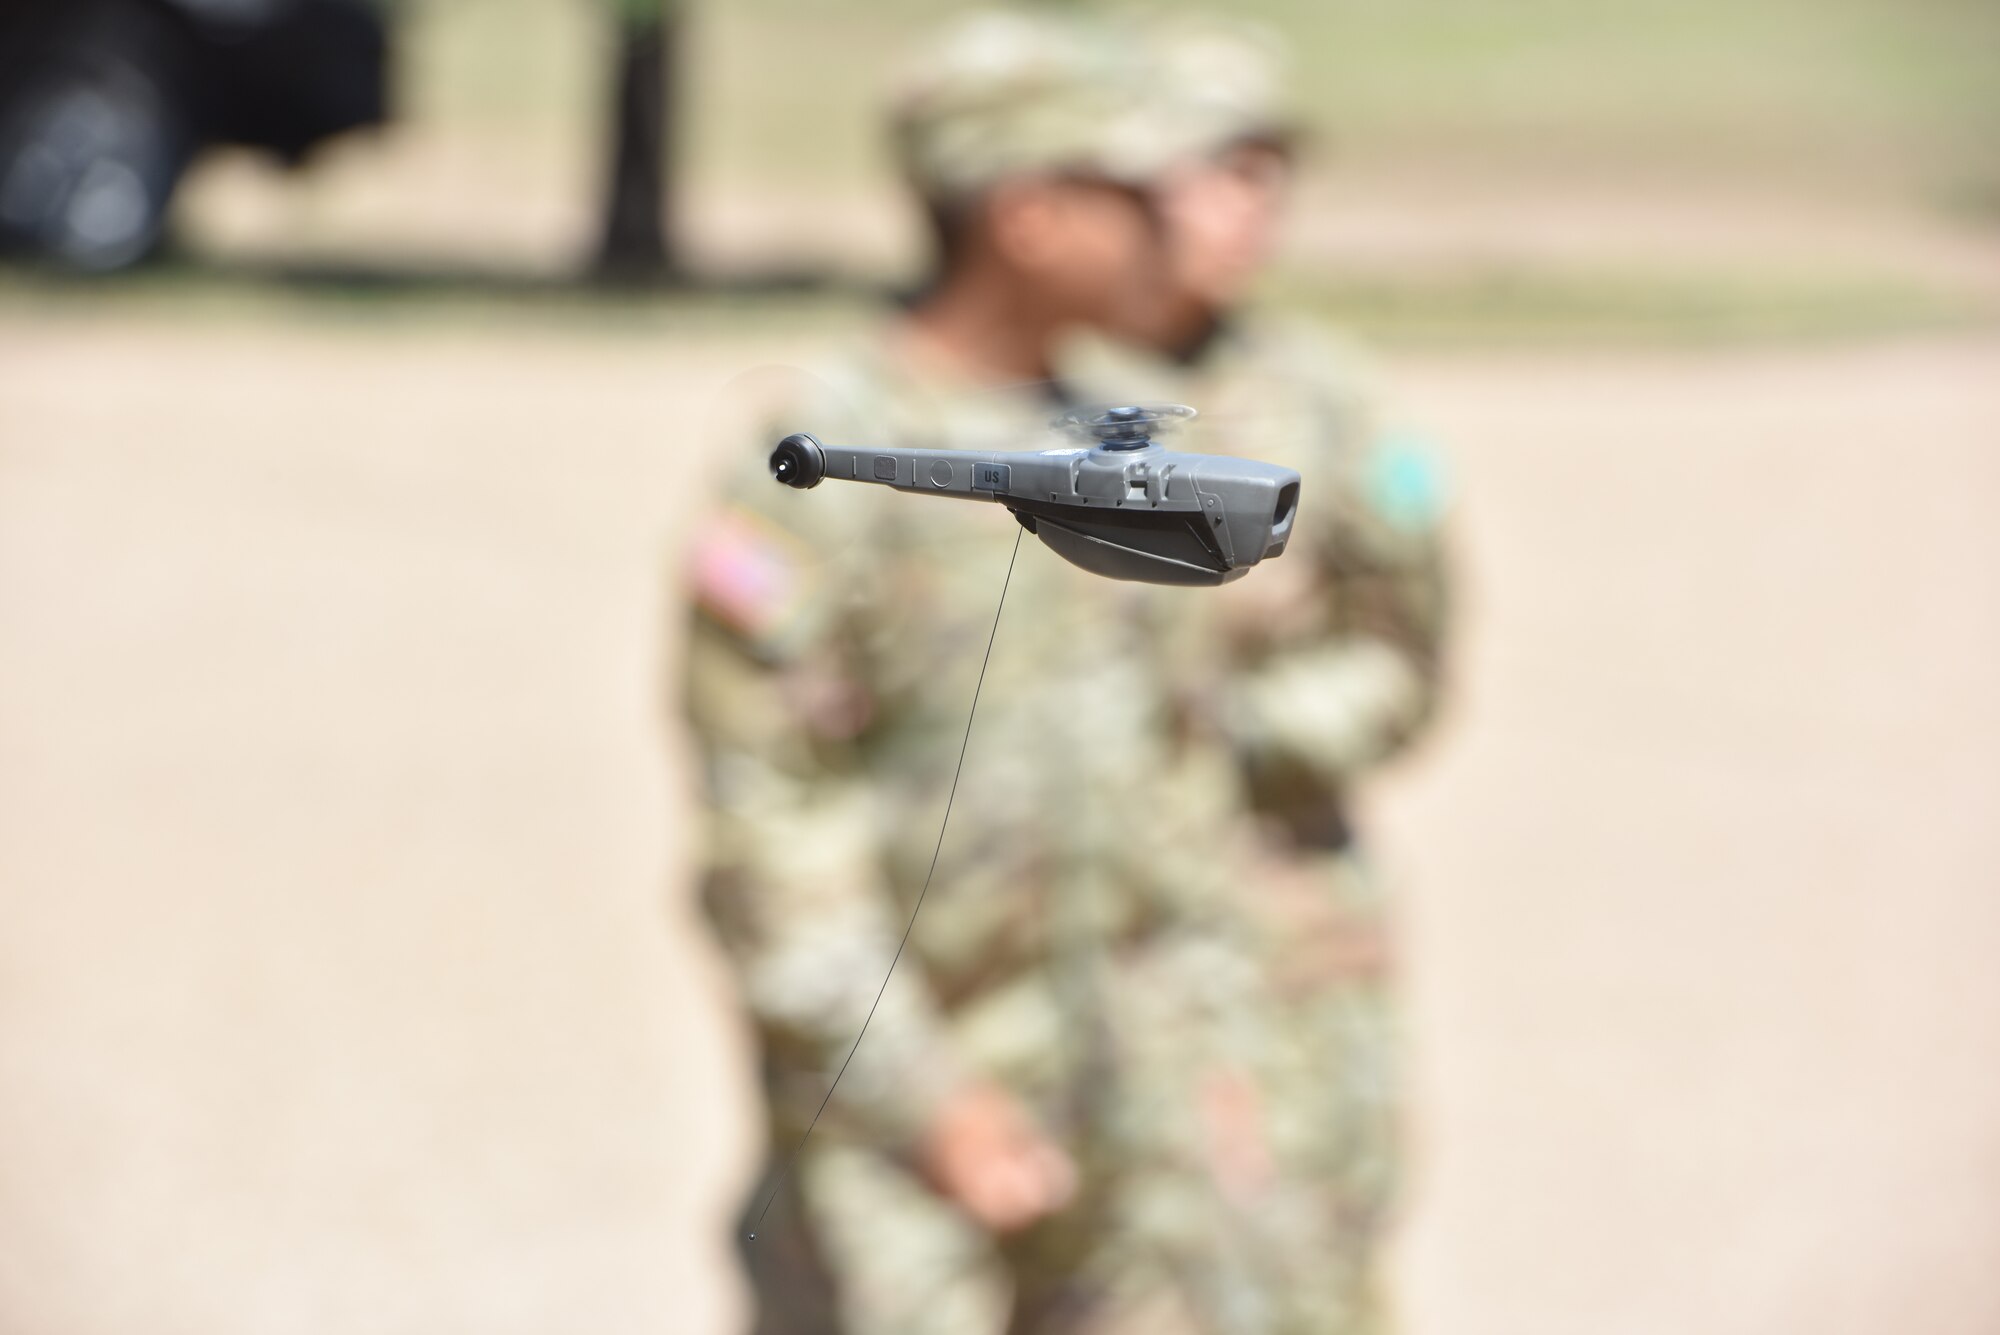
<point x="984" y="1152"/>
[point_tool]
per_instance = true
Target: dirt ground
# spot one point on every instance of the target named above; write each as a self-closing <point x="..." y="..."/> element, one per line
<point x="347" y="980"/>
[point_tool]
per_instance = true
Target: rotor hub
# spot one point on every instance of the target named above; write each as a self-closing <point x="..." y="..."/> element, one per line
<point x="1124" y="427"/>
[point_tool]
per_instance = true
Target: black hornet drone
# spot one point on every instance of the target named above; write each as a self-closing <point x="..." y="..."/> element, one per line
<point x="1125" y="508"/>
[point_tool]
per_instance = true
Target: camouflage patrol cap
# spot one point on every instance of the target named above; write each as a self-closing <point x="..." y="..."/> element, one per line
<point x="1007" y="93"/>
<point x="1223" y="82"/>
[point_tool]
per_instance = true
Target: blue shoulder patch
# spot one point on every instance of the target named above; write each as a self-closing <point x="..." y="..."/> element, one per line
<point x="1407" y="484"/>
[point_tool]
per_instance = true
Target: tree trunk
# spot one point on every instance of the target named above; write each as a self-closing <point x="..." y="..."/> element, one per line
<point x="638" y="240"/>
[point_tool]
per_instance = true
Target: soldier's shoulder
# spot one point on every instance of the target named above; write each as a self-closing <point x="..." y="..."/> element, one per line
<point x="1394" y="471"/>
<point x="1305" y="352"/>
<point x="882" y="390"/>
<point x="763" y="559"/>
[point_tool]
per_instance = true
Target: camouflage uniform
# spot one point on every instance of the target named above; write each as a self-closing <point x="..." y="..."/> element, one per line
<point x="1336" y="669"/>
<point x="1075" y="945"/>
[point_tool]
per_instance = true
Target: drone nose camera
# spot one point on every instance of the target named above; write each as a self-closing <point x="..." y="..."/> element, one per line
<point x="1123" y="507"/>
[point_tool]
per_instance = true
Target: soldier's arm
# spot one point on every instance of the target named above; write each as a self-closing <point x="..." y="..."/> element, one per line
<point x="795" y="878"/>
<point x="797" y="885"/>
<point x="1376" y="570"/>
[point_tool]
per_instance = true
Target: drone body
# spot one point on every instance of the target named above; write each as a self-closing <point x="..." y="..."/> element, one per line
<point x="1125" y="508"/>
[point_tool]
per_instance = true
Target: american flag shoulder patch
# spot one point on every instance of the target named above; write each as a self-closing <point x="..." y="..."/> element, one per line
<point x="749" y="575"/>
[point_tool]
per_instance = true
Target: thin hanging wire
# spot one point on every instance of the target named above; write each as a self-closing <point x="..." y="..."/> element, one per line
<point x="943" y="825"/>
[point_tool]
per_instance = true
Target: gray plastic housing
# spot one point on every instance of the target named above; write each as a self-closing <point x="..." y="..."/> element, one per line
<point x="1132" y="512"/>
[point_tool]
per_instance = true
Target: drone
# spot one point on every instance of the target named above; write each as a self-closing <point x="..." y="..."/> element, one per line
<point x="1125" y="508"/>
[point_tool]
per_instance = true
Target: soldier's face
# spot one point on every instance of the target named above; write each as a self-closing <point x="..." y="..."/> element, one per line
<point x="1094" y="252"/>
<point x="1222" y="216"/>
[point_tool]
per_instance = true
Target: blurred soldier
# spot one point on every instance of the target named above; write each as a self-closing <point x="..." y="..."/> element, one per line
<point x="1010" y="1146"/>
<point x="1315" y="676"/>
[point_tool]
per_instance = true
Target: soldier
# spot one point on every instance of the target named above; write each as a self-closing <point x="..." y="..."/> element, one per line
<point x="1315" y="676"/>
<point x="1008" y="1149"/>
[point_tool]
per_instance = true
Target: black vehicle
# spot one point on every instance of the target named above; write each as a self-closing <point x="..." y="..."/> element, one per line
<point x="105" y="103"/>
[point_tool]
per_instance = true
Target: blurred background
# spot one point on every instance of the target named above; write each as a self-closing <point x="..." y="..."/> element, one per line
<point x="348" y="979"/>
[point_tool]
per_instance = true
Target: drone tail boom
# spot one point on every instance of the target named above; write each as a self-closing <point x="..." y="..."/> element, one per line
<point x="802" y="461"/>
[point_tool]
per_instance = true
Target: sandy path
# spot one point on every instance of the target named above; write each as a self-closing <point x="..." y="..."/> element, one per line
<point x="1709" y="877"/>
<point x="337" y="993"/>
